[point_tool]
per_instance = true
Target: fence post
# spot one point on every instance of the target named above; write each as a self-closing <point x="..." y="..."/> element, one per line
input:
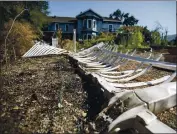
<point x="74" y="39"/>
<point x="54" y="42"/>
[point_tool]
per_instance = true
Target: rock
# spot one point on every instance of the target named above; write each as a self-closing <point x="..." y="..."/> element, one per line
<point x="75" y="118"/>
<point x="60" y="106"/>
<point x="15" y="108"/>
<point x="171" y="109"/>
<point x="75" y="129"/>
<point x="67" y="103"/>
<point x="2" y="115"/>
<point x="84" y="114"/>
<point x="93" y="125"/>
<point x="87" y="130"/>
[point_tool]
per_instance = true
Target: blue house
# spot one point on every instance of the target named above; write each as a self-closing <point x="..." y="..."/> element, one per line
<point x="87" y="24"/>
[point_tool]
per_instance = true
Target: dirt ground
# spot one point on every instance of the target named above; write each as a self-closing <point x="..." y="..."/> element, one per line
<point x="42" y="95"/>
<point x="45" y="95"/>
<point x="169" y="117"/>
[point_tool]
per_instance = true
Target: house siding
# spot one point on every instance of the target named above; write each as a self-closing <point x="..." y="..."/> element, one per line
<point x="51" y="27"/>
<point x="70" y="27"/>
<point x="101" y="26"/>
<point x="105" y="26"/>
<point x="79" y="26"/>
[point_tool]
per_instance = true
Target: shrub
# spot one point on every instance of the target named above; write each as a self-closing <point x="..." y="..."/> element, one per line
<point x="156" y="38"/>
<point x="20" y="38"/>
<point x="136" y="40"/>
<point x="68" y="45"/>
<point x="102" y="37"/>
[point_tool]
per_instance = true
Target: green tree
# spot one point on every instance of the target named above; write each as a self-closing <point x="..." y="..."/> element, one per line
<point x="124" y="17"/>
<point x="147" y="35"/>
<point x="156" y="38"/>
<point x="117" y="15"/>
<point x="36" y="14"/>
<point x="164" y="41"/>
<point x="130" y="21"/>
<point x="136" y="40"/>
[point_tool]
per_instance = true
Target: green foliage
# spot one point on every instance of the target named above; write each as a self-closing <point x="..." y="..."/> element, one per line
<point x="130" y="21"/>
<point x="131" y="37"/>
<point x="164" y="42"/>
<point x="86" y="44"/>
<point x="147" y="35"/>
<point x="36" y="14"/>
<point x="23" y="33"/>
<point x="124" y="17"/>
<point x="68" y="45"/>
<point x="102" y="37"/>
<point x="136" y="40"/>
<point x="175" y="41"/>
<point x="117" y="15"/>
<point x="156" y="39"/>
<point x="38" y="18"/>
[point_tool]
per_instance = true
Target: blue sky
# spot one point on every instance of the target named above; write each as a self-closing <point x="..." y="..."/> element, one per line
<point x="147" y="12"/>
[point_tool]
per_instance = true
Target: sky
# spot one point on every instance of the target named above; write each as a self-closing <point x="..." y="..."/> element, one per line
<point x="147" y="12"/>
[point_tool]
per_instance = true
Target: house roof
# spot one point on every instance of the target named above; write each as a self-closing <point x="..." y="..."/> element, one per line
<point x="73" y="19"/>
<point x="109" y="19"/>
<point x="88" y="11"/>
<point x="62" y="19"/>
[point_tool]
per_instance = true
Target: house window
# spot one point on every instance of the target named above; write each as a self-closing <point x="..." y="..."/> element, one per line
<point x="56" y="26"/>
<point x="84" y="36"/>
<point x="110" y="28"/>
<point x="89" y="36"/>
<point x="84" y="23"/>
<point x="89" y="23"/>
<point x="94" y="24"/>
<point x="66" y="27"/>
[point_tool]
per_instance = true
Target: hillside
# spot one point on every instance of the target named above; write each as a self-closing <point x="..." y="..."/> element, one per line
<point x="171" y="37"/>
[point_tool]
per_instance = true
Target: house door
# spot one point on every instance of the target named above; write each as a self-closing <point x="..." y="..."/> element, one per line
<point x="56" y="26"/>
<point x="110" y="28"/>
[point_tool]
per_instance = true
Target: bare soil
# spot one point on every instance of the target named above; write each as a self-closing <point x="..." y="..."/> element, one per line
<point x="42" y="95"/>
<point x="169" y="117"/>
<point x="46" y="95"/>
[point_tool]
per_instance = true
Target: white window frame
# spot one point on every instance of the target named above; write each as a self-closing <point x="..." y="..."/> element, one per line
<point x="91" y="23"/>
<point x="84" y="21"/>
<point x="56" y="26"/>
<point x="112" y="27"/>
<point x="93" y="34"/>
<point x="65" y="27"/>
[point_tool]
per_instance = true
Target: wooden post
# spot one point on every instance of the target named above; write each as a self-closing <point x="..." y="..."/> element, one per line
<point x="74" y="39"/>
